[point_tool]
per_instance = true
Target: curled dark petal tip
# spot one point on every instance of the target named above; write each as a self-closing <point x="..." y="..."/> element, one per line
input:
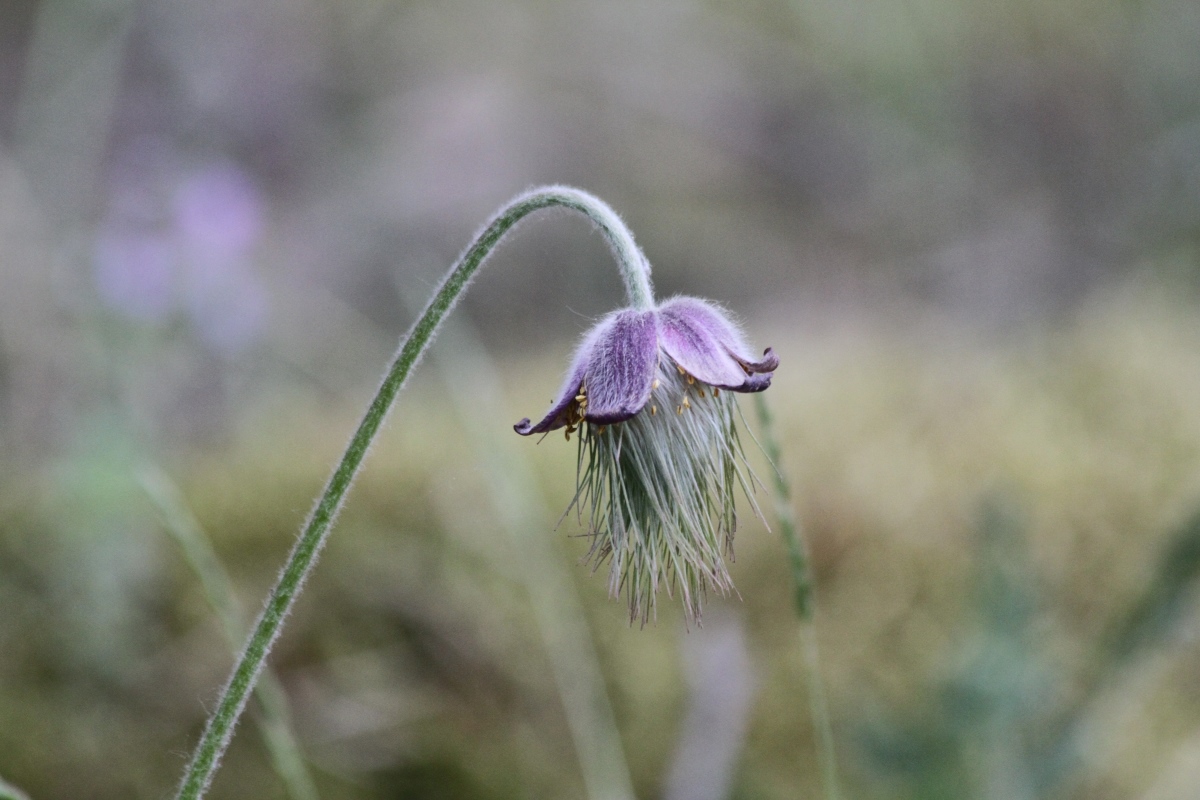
<point x="770" y="359"/>
<point x="524" y="427"/>
<point x="769" y="362"/>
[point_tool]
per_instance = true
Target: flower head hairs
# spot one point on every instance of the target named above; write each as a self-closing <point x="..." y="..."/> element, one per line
<point x="659" y="455"/>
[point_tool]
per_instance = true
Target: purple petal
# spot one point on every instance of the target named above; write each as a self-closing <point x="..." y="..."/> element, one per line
<point x="708" y="345"/>
<point x="556" y="417"/>
<point x="622" y="366"/>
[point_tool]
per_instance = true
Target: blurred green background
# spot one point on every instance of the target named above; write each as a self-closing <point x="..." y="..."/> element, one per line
<point x="970" y="229"/>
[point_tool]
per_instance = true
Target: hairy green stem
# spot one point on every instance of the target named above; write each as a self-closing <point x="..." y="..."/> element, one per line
<point x="635" y="271"/>
<point x="275" y="722"/>
<point x="802" y="596"/>
<point x="802" y="584"/>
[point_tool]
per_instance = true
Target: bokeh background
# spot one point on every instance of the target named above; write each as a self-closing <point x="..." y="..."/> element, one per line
<point x="969" y="228"/>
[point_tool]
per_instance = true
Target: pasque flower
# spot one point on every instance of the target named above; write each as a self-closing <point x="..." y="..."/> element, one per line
<point x="659" y="455"/>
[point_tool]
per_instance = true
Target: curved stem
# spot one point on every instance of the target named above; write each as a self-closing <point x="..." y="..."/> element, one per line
<point x="635" y="271"/>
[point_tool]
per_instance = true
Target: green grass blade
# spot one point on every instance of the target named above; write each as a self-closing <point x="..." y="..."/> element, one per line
<point x="1165" y="599"/>
<point x="802" y="593"/>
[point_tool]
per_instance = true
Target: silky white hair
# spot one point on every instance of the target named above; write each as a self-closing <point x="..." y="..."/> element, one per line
<point x="659" y="489"/>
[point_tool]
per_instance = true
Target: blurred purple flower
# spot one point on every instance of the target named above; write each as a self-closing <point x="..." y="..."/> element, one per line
<point x="218" y="212"/>
<point x="199" y="259"/>
<point x="218" y="217"/>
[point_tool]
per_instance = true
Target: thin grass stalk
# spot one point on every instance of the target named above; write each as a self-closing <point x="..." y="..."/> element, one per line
<point x="803" y="600"/>
<point x="635" y="272"/>
<point x="275" y="723"/>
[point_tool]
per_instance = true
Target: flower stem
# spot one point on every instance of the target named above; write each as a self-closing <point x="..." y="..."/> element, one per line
<point x="635" y="268"/>
<point x="635" y="271"/>
<point x="275" y="721"/>
<point x="802" y="587"/>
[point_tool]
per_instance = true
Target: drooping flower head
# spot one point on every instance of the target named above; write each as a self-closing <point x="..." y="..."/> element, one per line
<point x="659" y="456"/>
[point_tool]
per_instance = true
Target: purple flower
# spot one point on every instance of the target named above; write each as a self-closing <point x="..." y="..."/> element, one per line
<point x="660" y="457"/>
<point x="614" y="371"/>
<point x="218" y="212"/>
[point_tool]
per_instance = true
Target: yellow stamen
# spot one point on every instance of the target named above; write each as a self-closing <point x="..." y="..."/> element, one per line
<point x="655" y="384"/>
<point x="678" y="409"/>
<point x="681" y="372"/>
<point x="716" y="391"/>
<point x="702" y="393"/>
<point x="653" y="410"/>
<point x="691" y="380"/>
<point x="686" y="403"/>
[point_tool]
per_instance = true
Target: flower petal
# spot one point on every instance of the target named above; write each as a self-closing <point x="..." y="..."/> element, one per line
<point x="710" y="347"/>
<point x="556" y="417"/>
<point x="621" y="368"/>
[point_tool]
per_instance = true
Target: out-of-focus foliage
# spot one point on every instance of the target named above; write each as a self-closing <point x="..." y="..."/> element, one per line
<point x="996" y="531"/>
<point x="969" y="229"/>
